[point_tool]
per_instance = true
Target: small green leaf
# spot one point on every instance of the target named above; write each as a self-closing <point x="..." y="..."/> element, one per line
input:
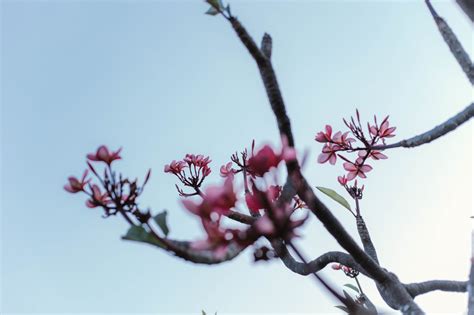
<point x="341" y="307"/>
<point x="353" y="287"/>
<point x="203" y="313"/>
<point x="349" y="298"/>
<point x="160" y="219"/>
<point x="139" y="234"/>
<point x="335" y="196"/>
<point x="212" y="11"/>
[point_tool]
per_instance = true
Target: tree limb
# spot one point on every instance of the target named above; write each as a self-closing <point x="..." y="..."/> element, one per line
<point x="390" y="287"/>
<point x="416" y="289"/>
<point x="365" y="238"/>
<point x="453" y="43"/>
<point x="435" y="133"/>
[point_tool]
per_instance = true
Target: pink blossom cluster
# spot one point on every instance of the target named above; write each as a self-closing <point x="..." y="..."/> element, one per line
<point x="191" y="171"/>
<point x="350" y="272"/>
<point x="339" y="142"/>
<point x="112" y="193"/>
<point x="220" y="200"/>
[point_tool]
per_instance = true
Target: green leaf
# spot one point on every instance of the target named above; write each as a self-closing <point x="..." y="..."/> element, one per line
<point x="341" y="307"/>
<point x="139" y="234"/>
<point x="353" y="287"/>
<point x="160" y="219"/>
<point x="203" y="313"/>
<point x="335" y="196"/>
<point x="212" y="11"/>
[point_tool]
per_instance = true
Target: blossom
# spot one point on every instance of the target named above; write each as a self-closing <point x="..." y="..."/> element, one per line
<point x="324" y="136"/>
<point x="336" y="266"/>
<point x="384" y="131"/>
<point x="98" y="199"/>
<point x="342" y="139"/>
<point x="104" y="155"/>
<point x="342" y="180"/>
<point x="217" y="240"/>
<point x="218" y="199"/>
<point x="329" y="153"/>
<point x="374" y="154"/>
<point x="175" y="167"/>
<point x="265" y="159"/>
<point x="197" y="160"/>
<point x="227" y="170"/>
<point x="261" y="200"/>
<point x="356" y="170"/>
<point x="75" y="185"/>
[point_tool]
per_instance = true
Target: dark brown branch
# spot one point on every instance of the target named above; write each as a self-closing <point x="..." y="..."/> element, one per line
<point x="435" y="133"/>
<point x="416" y="289"/>
<point x="316" y="264"/>
<point x="365" y="238"/>
<point x="240" y="217"/>
<point x="453" y="43"/>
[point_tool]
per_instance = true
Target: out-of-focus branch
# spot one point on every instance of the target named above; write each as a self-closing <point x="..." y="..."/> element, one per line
<point x="433" y="134"/>
<point x="468" y="7"/>
<point x="416" y="289"/>
<point x="453" y="43"/>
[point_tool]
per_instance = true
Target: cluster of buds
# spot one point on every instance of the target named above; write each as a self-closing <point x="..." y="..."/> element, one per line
<point x="354" y="191"/>
<point x="112" y="192"/>
<point x="191" y="172"/>
<point x="337" y="143"/>
<point x="348" y="271"/>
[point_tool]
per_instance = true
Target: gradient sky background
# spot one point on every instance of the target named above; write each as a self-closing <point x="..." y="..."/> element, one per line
<point x="161" y="79"/>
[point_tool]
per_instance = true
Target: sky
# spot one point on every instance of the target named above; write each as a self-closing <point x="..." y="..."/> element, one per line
<point x="161" y="79"/>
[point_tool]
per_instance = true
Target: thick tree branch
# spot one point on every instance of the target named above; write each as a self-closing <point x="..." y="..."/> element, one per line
<point x="453" y="43"/>
<point x="468" y="7"/>
<point x="435" y="133"/>
<point x="316" y="264"/>
<point x="365" y="238"/>
<point x="416" y="289"/>
<point x="470" y="287"/>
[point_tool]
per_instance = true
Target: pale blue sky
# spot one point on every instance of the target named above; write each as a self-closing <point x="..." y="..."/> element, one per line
<point x="161" y="79"/>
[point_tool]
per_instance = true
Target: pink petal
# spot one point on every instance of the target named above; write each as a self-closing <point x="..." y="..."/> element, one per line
<point x="332" y="159"/>
<point x="323" y="157"/>
<point x="349" y="167"/>
<point x="351" y="176"/>
<point x="365" y="168"/>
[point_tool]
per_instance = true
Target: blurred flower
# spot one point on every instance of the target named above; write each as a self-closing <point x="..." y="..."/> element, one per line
<point x="104" y="155"/>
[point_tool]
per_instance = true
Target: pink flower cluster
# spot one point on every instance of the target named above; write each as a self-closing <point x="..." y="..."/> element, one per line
<point x="339" y="142"/>
<point x="350" y="272"/>
<point x="191" y="171"/>
<point x="113" y="193"/>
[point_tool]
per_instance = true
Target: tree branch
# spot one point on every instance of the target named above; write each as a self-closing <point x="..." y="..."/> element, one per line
<point x="316" y="264"/>
<point x="365" y="238"/>
<point x="390" y="287"/>
<point x="453" y="43"/>
<point x="416" y="289"/>
<point x="433" y="134"/>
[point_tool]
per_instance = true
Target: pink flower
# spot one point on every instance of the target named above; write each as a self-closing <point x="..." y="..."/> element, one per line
<point x="265" y="159"/>
<point x="374" y="154"/>
<point x="261" y="200"/>
<point x="175" y="167"/>
<point x="219" y="199"/>
<point x="356" y="170"/>
<point x="329" y="154"/>
<point x="227" y="170"/>
<point x="217" y="240"/>
<point x="198" y="160"/>
<point x="336" y="266"/>
<point x="342" y="139"/>
<point x="342" y="180"/>
<point x="75" y="185"/>
<point x="324" y="136"/>
<point x="384" y="131"/>
<point x="98" y="198"/>
<point x="104" y="155"/>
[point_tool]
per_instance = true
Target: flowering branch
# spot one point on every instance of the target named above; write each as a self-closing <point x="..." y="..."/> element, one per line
<point x="433" y="134"/>
<point x="453" y="43"/>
